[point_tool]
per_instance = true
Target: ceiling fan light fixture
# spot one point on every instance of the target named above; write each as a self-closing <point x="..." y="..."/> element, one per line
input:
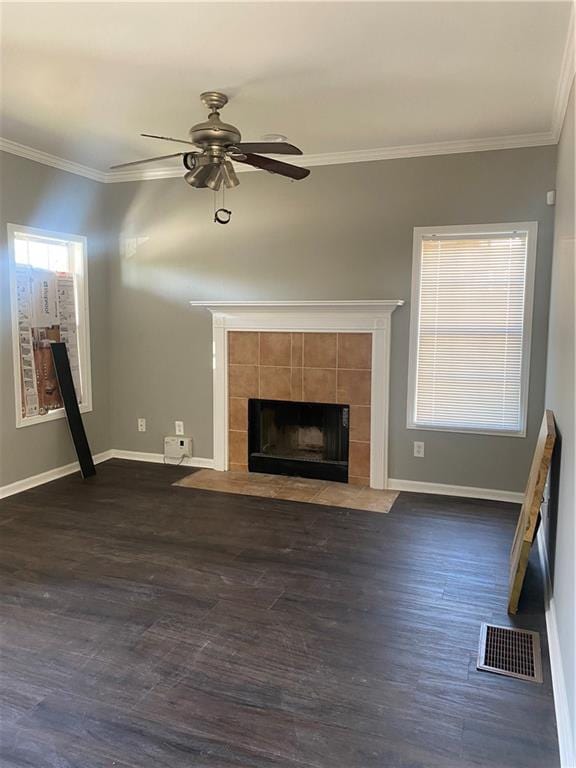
<point x="214" y="178"/>
<point x="197" y="178"/>
<point x="229" y="175"/>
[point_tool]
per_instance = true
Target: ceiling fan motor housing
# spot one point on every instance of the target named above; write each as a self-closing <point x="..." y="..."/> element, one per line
<point x="213" y="134"/>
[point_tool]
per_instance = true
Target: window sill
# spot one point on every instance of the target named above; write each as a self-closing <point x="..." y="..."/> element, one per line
<point x="31" y="421"/>
<point x="479" y="431"/>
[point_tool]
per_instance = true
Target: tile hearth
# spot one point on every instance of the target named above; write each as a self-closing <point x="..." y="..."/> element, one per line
<point x="291" y="489"/>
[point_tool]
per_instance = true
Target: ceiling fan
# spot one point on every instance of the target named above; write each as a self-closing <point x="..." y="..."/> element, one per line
<point x="219" y="143"/>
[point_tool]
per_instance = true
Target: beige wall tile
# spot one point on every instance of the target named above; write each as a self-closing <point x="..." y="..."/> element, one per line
<point x="353" y="480"/>
<point x="291" y="381"/>
<point x="355" y="350"/>
<point x="243" y="380"/>
<point x="359" y="459"/>
<point x="238" y="413"/>
<point x="297" y="344"/>
<point x="237" y="447"/>
<point x="275" y="383"/>
<point x="238" y="467"/>
<point x="319" y="385"/>
<point x="243" y="347"/>
<point x="275" y="348"/>
<point x="360" y="422"/>
<point x="296" y="384"/>
<point x="319" y="350"/>
<point x="354" y="387"/>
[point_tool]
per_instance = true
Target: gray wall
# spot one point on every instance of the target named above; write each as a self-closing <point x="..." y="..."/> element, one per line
<point x="344" y="233"/>
<point x="560" y="395"/>
<point x="40" y="196"/>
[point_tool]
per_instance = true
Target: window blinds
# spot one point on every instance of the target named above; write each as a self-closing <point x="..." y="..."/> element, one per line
<point x="470" y="332"/>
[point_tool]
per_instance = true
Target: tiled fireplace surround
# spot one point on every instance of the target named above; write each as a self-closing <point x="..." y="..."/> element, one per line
<point x="323" y="351"/>
<point x="305" y="367"/>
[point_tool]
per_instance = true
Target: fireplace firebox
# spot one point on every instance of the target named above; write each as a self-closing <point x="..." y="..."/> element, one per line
<point x="293" y="438"/>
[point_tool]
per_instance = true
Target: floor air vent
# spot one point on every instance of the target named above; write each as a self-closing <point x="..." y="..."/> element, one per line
<point x="509" y="651"/>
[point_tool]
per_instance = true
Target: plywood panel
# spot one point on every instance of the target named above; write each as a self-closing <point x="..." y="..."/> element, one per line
<point x="530" y="512"/>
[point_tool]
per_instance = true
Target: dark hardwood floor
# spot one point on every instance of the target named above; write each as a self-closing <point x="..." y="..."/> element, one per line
<point x="148" y="626"/>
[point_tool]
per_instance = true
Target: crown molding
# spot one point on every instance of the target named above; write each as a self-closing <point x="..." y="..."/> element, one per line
<point x="327" y="158"/>
<point x="567" y="72"/>
<point x="368" y="155"/>
<point x="45" y="158"/>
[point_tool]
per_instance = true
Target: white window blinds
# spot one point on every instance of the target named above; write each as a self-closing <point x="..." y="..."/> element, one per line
<point x="469" y="368"/>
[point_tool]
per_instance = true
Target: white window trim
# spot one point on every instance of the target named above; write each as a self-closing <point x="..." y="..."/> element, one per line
<point x="531" y="228"/>
<point x="83" y="327"/>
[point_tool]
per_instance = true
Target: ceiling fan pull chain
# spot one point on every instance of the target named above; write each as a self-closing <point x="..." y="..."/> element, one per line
<point x="221" y="215"/>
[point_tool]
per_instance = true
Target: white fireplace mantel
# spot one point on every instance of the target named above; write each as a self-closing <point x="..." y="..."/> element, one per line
<point x="360" y="304"/>
<point x="368" y="316"/>
<point x="367" y="307"/>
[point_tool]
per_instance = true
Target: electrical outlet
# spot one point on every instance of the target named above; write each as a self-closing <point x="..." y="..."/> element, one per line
<point x="141" y="425"/>
<point x="179" y="427"/>
<point x="418" y="449"/>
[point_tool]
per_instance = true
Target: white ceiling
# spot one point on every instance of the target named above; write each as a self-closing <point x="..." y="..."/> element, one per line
<point x="81" y="81"/>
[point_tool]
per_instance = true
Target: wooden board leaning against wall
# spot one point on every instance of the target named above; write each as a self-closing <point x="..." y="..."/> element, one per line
<point x="530" y="511"/>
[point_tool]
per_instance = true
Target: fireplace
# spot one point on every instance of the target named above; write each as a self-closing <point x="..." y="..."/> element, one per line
<point x="298" y="438"/>
<point x="304" y="352"/>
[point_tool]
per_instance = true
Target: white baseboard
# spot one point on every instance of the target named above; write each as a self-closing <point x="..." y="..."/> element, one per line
<point x="47" y="477"/>
<point x="200" y="462"/>
<point x="393" y="485"/>
<point x="563" y="723"/>
<point x="68" y="469"/>
<point x="416" y="486"/>
<point x="158" y="458"/>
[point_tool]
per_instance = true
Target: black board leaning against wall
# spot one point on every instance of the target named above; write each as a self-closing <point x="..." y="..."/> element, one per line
<point x="68" y="392"/>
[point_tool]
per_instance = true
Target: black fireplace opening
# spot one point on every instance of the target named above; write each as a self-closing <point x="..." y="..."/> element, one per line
<point x="304" y="439"/>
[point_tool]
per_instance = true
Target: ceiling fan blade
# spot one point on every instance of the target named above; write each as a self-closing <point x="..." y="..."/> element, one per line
<point x="269" y="148"/>
<point x="273" y="166"/>
<point x="167" y="138"/>
<point x="148" y="160"/>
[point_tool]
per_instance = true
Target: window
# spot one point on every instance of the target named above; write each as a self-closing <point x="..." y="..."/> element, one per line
<point x="472" y="290"/>
<point x="49" y="291"/>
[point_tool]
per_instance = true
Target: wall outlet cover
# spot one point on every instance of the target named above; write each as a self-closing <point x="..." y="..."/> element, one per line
<point x="141" y="425"/>
<point x="177" y="447"/>
<point x="179" y="427"/>
<point x="418" y="449"/>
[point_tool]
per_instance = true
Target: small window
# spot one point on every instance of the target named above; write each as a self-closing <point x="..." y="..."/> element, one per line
<point x="49" y="292"/>
<point x="472" y="292"/>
